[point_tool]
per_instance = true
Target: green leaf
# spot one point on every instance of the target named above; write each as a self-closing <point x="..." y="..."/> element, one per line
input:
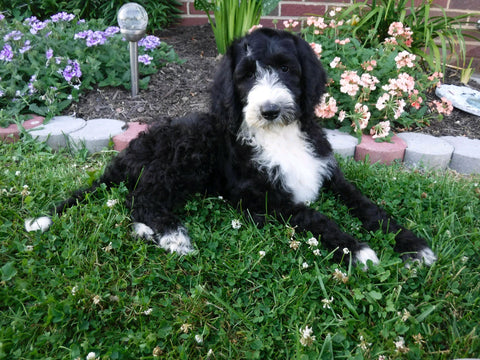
<point x="8" y="271"/>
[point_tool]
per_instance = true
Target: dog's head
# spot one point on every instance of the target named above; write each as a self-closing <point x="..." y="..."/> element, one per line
<point x="267" y="77"/>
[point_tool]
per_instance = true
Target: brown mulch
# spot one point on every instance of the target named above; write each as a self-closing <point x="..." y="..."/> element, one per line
<point x="178" y="89"/>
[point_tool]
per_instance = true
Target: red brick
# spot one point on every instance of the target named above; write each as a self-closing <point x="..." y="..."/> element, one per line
<point x="383" y="152"/>
<point x="472" y="5"/>
<point x="294" y="10"/>
<point x="12" y="133"/>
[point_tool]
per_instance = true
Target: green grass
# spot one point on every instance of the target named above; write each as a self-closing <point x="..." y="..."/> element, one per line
<point x="87" y="285"/>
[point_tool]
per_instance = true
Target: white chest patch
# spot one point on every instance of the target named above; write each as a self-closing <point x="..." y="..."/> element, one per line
<point x="285" y="154"/>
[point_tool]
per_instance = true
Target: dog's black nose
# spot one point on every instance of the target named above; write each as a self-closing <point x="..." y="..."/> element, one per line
<point x="270" y="111"/>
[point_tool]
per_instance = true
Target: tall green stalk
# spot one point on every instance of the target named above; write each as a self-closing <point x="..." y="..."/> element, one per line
<point x="232" y="18"/>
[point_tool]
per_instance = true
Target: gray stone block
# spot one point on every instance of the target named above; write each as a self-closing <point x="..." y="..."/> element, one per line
<point x="466" y="156"/>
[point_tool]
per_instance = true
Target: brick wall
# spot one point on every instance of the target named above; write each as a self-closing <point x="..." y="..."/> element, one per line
<point x="288" y="9"/>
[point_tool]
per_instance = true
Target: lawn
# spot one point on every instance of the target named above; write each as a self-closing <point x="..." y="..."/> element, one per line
<point x="88" y="289"/>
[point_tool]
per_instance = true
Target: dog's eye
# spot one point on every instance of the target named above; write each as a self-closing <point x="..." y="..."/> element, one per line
<point x="284" y="68"/>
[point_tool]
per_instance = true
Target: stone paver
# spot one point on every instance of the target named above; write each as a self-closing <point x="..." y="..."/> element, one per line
<point x="56" y="132"/>
<point x="414" y="149"/>
<point x="426" y="151"/>
<point x="96" y="134"/>
<point x="466" y="156"/>
<point x="342" y="143"/>
<point x="383" y="152"/>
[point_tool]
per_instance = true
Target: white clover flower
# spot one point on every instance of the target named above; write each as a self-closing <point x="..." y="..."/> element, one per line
<point x="199" y="339"/>
<point x="405" y="315"/>
<point x="185" y="328"/>
<point x="294" y="244"/>
<point x="327" y="303"/>
<point x="464" y="259"/>
<point x="148" y="311"/>
<point x="261" y="253"/>
<point x="307" y="338"/>
<point x="236" y="224"/>
<point x="305" y="265"/>
<point x="111" y="203"/>
<point x="400" y="346"/>
<point x="363" y="344"/>
<point x="74" y="290"/>
<point x="312" y="242"/>
<point x="340" y="276"/>
<point x="28" y="248"/>
<point x="97" y="299"/>
<point x="346" y="251"/>
<point x="25" y="191"/>
<point x="91" y="356"/>
<point x="210" y="353"/>
<point x="108" y="248"/>
<point x="316" y="252"/>
<point x="17" y="173"/>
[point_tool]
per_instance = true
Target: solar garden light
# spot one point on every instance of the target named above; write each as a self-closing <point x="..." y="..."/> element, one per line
<point x="132" y="20"/>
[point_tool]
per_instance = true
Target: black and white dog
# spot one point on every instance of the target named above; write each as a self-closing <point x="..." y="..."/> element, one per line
<point x="260" y="147"/>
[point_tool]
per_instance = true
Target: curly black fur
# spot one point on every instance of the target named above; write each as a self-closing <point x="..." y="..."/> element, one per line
<point x="222" y="153"/>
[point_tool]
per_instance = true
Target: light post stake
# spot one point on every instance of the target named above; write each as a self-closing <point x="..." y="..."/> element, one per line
<point x="132" y="20"/>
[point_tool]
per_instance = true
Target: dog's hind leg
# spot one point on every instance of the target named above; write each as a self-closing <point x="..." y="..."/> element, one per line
<point x="373" y="218"/>
<point x="155" y="222"/>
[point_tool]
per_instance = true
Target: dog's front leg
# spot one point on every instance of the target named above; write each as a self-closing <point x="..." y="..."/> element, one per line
<point x="153" y="221"/>
<point x="334" y="239"/>
<point x="373" y="218"/>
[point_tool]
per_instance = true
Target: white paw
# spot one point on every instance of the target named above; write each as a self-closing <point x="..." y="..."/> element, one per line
<point x="41" y="223"/>
<point x="143" y="231"/>
<point x="366" y="254"/>
<point x="176" y="241"/>
<point x="427" y="256"/>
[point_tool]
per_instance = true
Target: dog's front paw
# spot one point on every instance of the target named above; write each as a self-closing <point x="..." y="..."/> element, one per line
<point x="364" y="254"/>
<point x="41" y="223"/>
<point x="424" y="256"/>
<point x="175" y="241"/>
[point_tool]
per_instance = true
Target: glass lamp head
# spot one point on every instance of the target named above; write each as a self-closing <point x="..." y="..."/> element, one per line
<point x="132" y="20"/>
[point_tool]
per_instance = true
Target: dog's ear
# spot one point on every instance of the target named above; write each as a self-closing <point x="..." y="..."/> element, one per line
<point x="225" y="104"/>
<point x="314" y="77"/>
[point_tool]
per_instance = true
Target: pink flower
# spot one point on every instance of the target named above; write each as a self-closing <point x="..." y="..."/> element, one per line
<point x="398" y="31"/>
<point x="381" y="130"/>
<point x="342" y="42"/>
<point x="349" y="82"/>
<point x="326" y="109"/>
<point x="444" y="106"/>
<point x="290" y="24"/>
<point x="400" y="108"/>
<point x="364" y="116"/>
<point x="254" y="27"/>
<point x="369" y="65"/>
<point x="381" y="101"/>
<point x="341" y="115"/>
<point x="317" y="49"/>
<point x="335" y="62"/>
<point x="405" y="59"/>
<point x="368" y="81"/>
<point x="404" y="83"/>
<point x="415" y="99"/>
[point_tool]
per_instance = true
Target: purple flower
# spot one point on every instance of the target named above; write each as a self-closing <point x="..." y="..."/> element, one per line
<point x="15" y="35"/>
<point x="26" y="47"/>
<point x="31" y="86"/>
<point x="150" y="42"/>
<point x="82" y="34"/>
<point x="49" y="54"/>
<point x="36" y="26"/>
<point x="145" y="59"/>
<point x="6" y="54"/>
<point x="62" y="16"/>
<point x="96" y="38"/>
<point x="72" y="70"/>
<point x="111" y="30"/>
<point x="2" y="16"/>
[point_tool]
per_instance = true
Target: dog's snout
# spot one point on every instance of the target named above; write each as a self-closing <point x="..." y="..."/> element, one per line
<point x="270" y="111"/>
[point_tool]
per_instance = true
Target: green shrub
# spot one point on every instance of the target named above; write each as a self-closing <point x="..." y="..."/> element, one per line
<point x="45" y="65"/>
<point x="434" y="37"/>
<point x="161" y="13"/>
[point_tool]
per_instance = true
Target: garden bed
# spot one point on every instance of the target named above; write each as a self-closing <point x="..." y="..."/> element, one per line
<point x="179" y="89"/>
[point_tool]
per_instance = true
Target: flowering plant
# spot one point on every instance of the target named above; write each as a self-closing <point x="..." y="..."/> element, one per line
<point x="374" y="89"/>
<point x="45" y="65"/>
